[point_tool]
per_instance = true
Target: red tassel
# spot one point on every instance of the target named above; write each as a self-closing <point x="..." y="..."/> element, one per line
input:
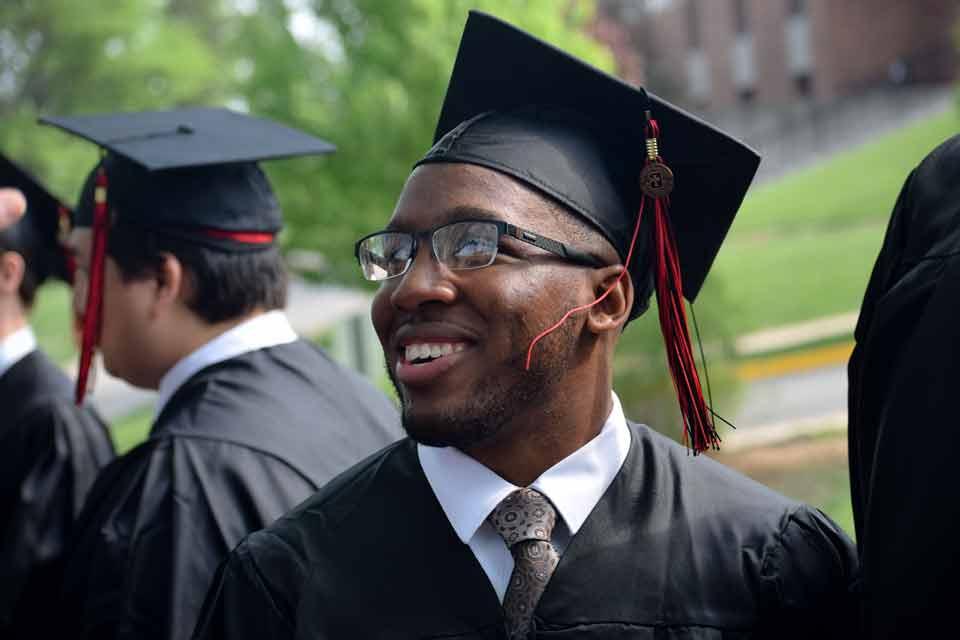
<point x="93" y="309"/>
<point x="243" y="237"/>
<point x="63" y="237"/>
<point x="699" y="430"/>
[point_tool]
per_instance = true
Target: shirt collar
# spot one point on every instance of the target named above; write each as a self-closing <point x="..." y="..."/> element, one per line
<point x="16" y="347"/>
<point x="265" y="330"/>
<point x="468" y="491"/>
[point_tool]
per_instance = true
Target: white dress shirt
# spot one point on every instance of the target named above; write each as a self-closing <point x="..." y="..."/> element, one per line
<point x="265" y="330"/>
<point x="468" y="492"/>
<point x="16" y="347"/>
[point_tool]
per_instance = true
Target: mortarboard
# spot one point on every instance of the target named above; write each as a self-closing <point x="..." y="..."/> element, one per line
<point x="191" y="173"/>
<point x="612" y="154"/>
<point x="41" y="232"/>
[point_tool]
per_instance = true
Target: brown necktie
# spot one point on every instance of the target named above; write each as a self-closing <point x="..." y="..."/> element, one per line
<point x="525" y="521"/>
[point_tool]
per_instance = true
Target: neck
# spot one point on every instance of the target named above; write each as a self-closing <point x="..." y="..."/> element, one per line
<point x="549" y="432"/>
<point x="12" y="319"/>
<point x="195" y="333"/>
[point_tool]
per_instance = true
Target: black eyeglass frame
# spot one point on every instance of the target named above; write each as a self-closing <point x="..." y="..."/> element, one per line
<point x="565" y="251"/>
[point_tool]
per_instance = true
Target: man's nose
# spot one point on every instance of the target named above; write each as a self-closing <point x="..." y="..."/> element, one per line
<point x="427" y="280"/>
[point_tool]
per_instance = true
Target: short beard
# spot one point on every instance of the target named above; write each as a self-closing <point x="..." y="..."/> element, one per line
<point x="497" y="400"/>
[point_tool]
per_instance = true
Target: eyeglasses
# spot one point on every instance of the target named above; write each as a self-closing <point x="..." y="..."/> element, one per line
<point x="460" y="245"/>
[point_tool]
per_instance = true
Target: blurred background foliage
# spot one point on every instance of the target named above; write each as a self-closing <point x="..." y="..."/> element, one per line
<point x="369" y="75"/>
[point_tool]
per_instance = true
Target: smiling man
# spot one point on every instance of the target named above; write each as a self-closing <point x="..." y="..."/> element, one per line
<point x="524" y="503"/>
<point x="181" y="286"/>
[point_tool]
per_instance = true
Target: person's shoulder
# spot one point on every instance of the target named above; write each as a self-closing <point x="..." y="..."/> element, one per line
<point x="304" y="533"/>
<point x="723" y="499"/>
<point x="793" y="550"/>
<point x="703" y="473"/>
<point x="34" y="382"/>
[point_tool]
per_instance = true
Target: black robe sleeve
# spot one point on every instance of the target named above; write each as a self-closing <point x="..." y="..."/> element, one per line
<point x="810" y="571"/>
<point x="240" y="603"/>
<point x="904" y="376"/>
<point x="60" y="449"/>
<point x="144" y="563"/>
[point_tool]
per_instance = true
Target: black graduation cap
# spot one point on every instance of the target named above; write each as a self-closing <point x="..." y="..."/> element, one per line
<point x="578" y="134"/>
<point x="625" y="160"/>
<point x="192" y="173"/>
<point x="40" y="233"/>
<point x="189" y="170"/>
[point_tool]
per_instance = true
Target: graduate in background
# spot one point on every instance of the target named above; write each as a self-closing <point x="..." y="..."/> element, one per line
<point x="904" y="378"/>
<point x="524" y="503"/>
<point x="50" y="449"/>
<point x="181" y="286"/>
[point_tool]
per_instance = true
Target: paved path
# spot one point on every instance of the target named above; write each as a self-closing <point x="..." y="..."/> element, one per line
<point x="801" y="397"/>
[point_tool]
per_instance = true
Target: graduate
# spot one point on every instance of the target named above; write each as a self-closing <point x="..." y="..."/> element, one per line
<point x="524" y="503"/>
<point x="904" y="374"/>
<point x="50" y="449"/>
<point x="181" y="287"/>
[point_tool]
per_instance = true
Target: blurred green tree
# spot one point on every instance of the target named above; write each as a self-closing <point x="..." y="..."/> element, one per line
<point x="96" y="55"/>
<point x="369" y="75"/>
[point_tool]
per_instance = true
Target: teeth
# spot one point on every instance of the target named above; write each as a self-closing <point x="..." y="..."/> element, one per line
<point x="419" y="351"/>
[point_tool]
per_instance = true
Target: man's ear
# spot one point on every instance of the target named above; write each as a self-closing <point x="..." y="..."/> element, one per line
<point x="171" y="280"/>
<point x="12" y="269"/>
<point x="611" y="313"/>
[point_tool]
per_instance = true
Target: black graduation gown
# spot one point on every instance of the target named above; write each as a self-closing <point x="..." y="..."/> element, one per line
<point x="904" y="380"/>
<point x="50" y="454"/>
<point x="678" y="547"/>
<point x="240" y="443"/>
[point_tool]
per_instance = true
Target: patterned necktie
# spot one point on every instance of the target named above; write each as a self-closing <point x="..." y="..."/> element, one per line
<point x="525" y="521"/>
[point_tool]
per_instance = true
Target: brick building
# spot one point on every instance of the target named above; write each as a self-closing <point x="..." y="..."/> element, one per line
<point x="716" y="54"/>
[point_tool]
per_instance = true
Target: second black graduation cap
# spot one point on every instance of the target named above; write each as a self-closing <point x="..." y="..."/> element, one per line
<point x="189" y="169"/>
<point x="192" y="173"/>
<point x="523" y="107"/>
<point x="40" y="233"/>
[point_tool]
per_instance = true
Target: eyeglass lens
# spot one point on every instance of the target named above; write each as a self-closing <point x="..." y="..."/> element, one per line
<point x="459" y="245"/>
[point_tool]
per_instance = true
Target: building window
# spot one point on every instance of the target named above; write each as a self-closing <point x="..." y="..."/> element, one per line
<point x="799" y="48"/>
<point x="743" y="64"/>
<point x="693" y="24"/>
<point x="741" y="19"/>
<point x="698" y="77"/>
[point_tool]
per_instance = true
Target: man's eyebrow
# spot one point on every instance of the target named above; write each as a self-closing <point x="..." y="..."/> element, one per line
<point x="462" y="212"/>
<point x="468" y="212"/>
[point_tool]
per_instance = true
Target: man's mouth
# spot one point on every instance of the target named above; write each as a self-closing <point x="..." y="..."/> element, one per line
<point x="423" y="363"/>
<point x="423" y="352"/>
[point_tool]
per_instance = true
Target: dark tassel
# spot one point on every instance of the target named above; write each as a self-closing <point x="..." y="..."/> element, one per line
<point x="93" y="309"/>
<point x="699" y="430"/>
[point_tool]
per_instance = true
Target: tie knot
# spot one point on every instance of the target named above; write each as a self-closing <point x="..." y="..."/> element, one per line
<point x="525" y="514"/>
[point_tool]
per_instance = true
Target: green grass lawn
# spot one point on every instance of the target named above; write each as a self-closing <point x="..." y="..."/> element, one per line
<point x="812" y="273"/>
<point x="851" y="187"/>
<point x="802" y="247"/>
<point x="131" y="430"/>
<point x="51" y="321"/>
